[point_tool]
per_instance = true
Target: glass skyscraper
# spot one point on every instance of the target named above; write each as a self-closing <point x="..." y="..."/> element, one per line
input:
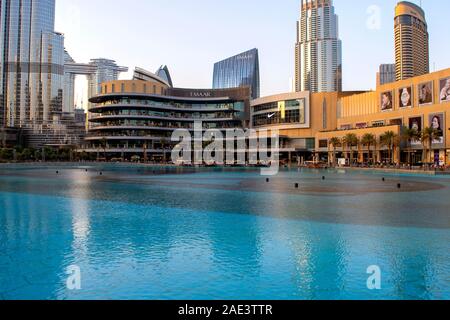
<point x="386" y="74"/>
<point x="238" y="71"/>
<point x="32" y="63"/>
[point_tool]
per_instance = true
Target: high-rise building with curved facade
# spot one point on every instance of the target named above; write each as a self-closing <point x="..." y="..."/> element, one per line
<point x="318" y="51"/>
<point x="411" y="41"/>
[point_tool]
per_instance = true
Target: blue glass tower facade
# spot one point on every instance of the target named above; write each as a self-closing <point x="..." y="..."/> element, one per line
<point x="238" y="71"/>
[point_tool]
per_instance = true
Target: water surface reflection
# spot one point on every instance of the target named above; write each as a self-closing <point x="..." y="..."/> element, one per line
<point x="146" y="241"/>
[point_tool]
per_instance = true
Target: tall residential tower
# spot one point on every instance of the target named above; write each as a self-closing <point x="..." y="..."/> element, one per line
<point x="411" y="41"/>
<point x="107" y="70"/>
<point x="318" y="51"/>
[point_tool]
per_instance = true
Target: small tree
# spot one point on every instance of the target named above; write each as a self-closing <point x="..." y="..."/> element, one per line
<point x="428" y="135"/>
<point x="26" y="154"/>
<point x="50" y="154"/>
<point x="334" y="143"/>
<point x="6" y="154"/>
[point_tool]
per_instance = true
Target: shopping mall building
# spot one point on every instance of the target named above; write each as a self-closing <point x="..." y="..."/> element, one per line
<point x="308" y="122"/>
<point x="135" y="118"/>
<point x="297" y="117"/>
<point x="416" y="103"/>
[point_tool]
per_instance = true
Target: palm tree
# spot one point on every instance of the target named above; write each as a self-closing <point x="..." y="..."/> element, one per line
<point x="428" y="135"/>
<point x="351" y="140"/>
<point x="389" y="139"/>
<point x="334" y="143"/>
<point x="103" y="143"/>
<point x="369" y="140"/>
<point x="409" y="135"/>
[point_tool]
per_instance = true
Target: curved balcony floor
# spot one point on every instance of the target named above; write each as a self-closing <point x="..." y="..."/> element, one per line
<point x="144" y="117"/>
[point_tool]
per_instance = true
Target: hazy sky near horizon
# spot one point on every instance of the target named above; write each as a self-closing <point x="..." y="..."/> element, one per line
<point x="190" y="36"/>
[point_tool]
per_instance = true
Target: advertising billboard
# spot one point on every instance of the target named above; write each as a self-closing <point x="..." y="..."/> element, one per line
<point x="444" y="92"/>
<point x="387" y="103"/>
<point x="405" y="97"/>
<point x="437" y="123"/>
<point x="416" y="124"/>
<point x="425" y="93"/>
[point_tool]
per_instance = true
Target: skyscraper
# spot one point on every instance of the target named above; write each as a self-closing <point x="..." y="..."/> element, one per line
<point x="95" y="71"/>
<point x="411" y="41"/>
<point x="318" y="51"/>
<point x="32" y="63"/>
<point x="386" y="74"/>
<point x="107" y="70"/>
<point x="238" y="71"/>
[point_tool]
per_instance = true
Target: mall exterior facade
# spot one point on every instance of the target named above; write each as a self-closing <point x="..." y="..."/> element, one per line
<point x="416" y="103"/>
<point x="308" y="122"/>
<point x="137" y="118"/>
<point x="298" y="117"/>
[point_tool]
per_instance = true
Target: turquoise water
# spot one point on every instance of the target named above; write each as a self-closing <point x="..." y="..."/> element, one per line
<point x="161" y="233"/>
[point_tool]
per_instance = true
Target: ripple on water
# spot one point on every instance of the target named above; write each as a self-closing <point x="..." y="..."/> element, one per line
<point x="223" y="237"/>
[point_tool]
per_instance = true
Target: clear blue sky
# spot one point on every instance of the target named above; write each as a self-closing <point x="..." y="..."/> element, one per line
<point x="189" y="36"/>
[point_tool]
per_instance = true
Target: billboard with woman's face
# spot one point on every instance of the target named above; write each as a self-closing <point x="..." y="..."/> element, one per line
<point x="425" y="93"/>
<point x="405" y="97"/>
<point x="416" y="124"/>
<point x="386" y="101"/>
<point x="445" y="90"/>
<point x="437" y="123"/>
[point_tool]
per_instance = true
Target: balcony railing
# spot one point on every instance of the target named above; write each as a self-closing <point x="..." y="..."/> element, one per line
<point x="168" y="117"/>
<point x="142" y="125"/>
<point x="169" y="106"/>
